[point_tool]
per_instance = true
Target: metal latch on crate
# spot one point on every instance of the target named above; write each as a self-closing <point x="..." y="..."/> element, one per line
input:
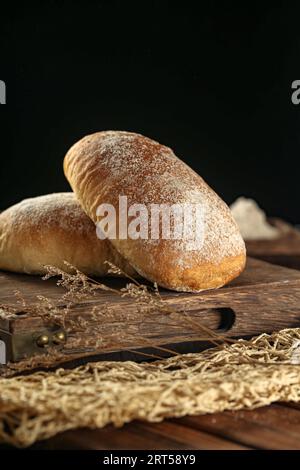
<point x="17" y="346"/>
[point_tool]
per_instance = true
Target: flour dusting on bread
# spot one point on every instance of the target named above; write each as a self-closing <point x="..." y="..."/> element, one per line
<point x="58" y="209"/>
<point x="105" y="165"/>
<point x="52" y="229"/>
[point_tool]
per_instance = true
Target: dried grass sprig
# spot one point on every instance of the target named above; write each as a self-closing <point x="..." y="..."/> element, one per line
<point x="104" y="326"/>
<point x="147" y="301"/>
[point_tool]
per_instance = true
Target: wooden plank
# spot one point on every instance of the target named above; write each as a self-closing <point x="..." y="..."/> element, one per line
<point x="284" y="250"/>
<point x="191" y="438"/>
<point x="165" y="435"/>
<point x="263" y="299"/>
<point x="109" y="439"/>
<point x="256" y="273"/>
<point x="272" y="427"/>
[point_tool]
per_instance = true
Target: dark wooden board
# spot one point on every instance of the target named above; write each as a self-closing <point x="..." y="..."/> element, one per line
<point x="284" y="250"/>
<point x="264" y="298"/>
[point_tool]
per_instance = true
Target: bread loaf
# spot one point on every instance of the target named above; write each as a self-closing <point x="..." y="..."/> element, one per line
<point x="105" y="165"/>
<point x="49" y="230"/>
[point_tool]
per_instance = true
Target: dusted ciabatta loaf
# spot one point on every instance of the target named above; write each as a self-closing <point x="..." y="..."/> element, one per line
<point x="51" y="229"/>
<point x="103" y="166"/>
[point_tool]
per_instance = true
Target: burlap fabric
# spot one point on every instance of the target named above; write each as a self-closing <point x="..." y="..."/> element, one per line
<point x="247" y="374"/>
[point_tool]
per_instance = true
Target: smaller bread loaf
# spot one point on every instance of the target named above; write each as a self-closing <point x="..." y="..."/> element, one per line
<point x="49" y="230"/>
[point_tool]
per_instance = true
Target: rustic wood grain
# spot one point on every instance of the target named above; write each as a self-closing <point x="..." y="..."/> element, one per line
<point x="284" y="250"/>
<point x="166" y="435"/>
<point x="264" y="298"/>
<point x="276" y="427"/>
<point x="272" y="427"/>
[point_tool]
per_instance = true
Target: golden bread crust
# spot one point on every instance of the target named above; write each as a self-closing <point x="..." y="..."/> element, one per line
<point x="104" y="165"/>
<point x="51" y="229"/>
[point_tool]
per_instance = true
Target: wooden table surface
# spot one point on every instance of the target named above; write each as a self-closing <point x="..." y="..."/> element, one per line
<point x="272" y="427"/>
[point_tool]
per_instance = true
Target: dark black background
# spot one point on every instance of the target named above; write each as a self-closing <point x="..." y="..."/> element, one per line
<point x="213" y="81"/>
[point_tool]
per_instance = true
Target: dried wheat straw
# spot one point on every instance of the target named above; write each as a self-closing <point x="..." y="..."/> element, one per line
<point x="247" y="374"/>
